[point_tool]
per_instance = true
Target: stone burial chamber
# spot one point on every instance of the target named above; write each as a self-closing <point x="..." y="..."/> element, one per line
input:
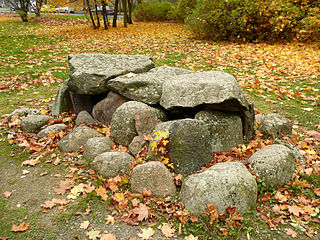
<point x="171" y="113"/>
<point x="197" y="113"/>
<point x="204" y="112"/>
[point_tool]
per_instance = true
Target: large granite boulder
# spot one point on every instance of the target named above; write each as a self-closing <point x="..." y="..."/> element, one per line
<point x="225" y="129"/>
<point x="274" y="164"/>
<point x="95" y="146"/>
<point x="55" y="128"/>
<point x="208" y="90"/>
<point x="104" y="110"/>
<point x="146" y="87"/>
<point x="225" y="184"/>
<point x="62" y="102"/>
<point x="111" y="164"/>
<point x="189" y="144"/>
<point x="91" y="72"/>
<point x="78" y="137"/>
<point x="33" y="123"/>
<point x="217" y="90"/>
<point x="273" y="125"/>
<point x="153" y="176"/>
<point x="123" y="128"/>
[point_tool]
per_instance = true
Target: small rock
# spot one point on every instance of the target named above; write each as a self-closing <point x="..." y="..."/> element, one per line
<point x="21" y="112"/>
<point x="84" y="117"/>
<point x="33" y="123"/>
<point x="153" y="176"/>
<point x="274" y="164"/>
<point x="111" y="164"/>
<point x="51" y="129"/>
<point x="78" y="137"/>
<point x="137" y="143"/>
<point x="259" y="118"/>
<point x="225" y="184"/>
<point x="97" y="145"/>
<point x="274" y="126"/>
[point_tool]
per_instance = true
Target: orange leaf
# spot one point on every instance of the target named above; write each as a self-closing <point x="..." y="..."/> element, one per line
<point x="7" y="194"/>
<point x="296" y="210"/>
<point x="291" y="233"/>
<point x="108" y="236"/>
<point x="21" y="228"/>
<point x="102" y="192"/>
<point x="32" y="162"/>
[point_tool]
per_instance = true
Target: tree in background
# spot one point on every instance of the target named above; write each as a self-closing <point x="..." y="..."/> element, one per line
<point x="22" y="7"/>
<point x="37" y="8"/>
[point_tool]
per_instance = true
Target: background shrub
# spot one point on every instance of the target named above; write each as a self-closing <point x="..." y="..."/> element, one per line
<point x="183" y="9"/>
<point x="252" y="20"/>
<point x="154" y="11"/>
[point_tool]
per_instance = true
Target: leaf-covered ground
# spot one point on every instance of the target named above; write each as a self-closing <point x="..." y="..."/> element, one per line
<point x="48" y="195"/>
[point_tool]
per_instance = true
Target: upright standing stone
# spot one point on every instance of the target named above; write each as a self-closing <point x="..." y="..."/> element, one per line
<point x="189" y="144"/>
<point x="62" y="102"/>
<point x="225" y="129"/>
<point x="104" y="110"/>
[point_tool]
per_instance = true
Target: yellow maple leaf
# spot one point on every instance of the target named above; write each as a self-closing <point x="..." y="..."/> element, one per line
<point x="119" y="196"/>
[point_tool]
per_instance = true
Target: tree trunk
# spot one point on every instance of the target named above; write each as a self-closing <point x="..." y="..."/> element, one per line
<point x="97" y="14"/>
<point x="105" y="16"/>
<point x="23" y="14"/>
<point x="38" y="7"/>
<point x="90" y="13"/>
<point x="125" y="14"/>
<point x="130" y="5"/>
<point x="116" y="7"/>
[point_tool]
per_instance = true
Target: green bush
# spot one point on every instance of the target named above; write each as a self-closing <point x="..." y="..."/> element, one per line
<point x="153" y="11"/>
<point x="252" y="20"/>
<point x="183" y="9"/>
